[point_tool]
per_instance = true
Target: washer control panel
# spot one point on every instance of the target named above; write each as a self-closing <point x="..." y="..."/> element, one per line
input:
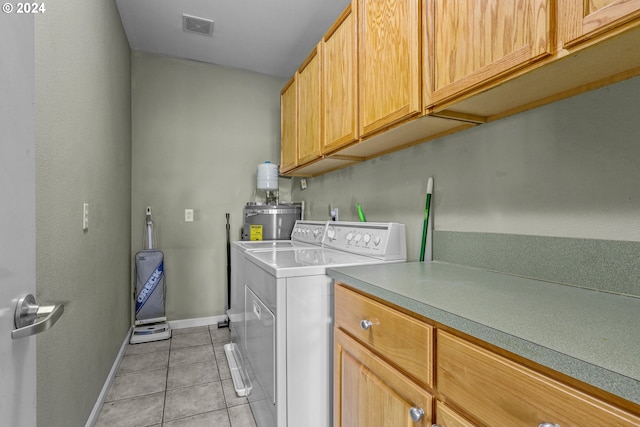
<point x="383" y="240"/>
<point x="309" y="231"/>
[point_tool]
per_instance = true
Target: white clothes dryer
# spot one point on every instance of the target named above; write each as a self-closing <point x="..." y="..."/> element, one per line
<point x="288" y="320"/>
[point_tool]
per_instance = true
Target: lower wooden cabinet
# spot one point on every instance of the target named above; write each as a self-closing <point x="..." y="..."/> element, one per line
<point x="501" y="392"/>
<point x="463" y="382"/>
<point x="370" y="392"/>
<point x="448" y="417"/>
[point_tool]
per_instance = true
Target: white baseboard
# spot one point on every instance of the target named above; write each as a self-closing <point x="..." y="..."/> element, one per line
<point x="95" y="413"/>
<point x="200" y="321"/>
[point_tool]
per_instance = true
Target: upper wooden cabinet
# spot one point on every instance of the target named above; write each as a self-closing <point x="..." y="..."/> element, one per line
<point x="394" y="73"/>
<point x="339" y="88"/>
<point x="580" y="20"/>
<point x="389" y="62"/>
<point x="309" y="108"/>
<point x="591" y="43"/>
<point x="469" y="43"/>
<point x="289" y="125"/>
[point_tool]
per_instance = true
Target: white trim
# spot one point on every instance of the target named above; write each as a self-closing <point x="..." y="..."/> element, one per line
<point x="95" y="413"/>
<point x="200" y="321"/>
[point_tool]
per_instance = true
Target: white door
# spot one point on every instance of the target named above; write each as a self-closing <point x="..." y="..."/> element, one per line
<point x="17" y="214"/>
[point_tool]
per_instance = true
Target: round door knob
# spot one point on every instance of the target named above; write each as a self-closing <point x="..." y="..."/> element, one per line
<point x="416" y="414"/>
<point x="365" y="324"/>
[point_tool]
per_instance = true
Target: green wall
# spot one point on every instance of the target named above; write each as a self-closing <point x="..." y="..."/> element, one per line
<point x="199" y="133"/>
<point x="568" y="170"/>
<point x="83" y="155"/>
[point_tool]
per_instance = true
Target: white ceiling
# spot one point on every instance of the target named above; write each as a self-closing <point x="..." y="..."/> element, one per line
<point x="266" y="36"/>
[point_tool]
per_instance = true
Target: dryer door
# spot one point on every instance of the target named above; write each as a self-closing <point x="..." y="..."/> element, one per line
<point x="260" y="339"/>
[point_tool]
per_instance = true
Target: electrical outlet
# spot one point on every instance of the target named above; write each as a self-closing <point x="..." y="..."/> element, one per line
<point x="188" y="215"/>
<point x="303" y="184"/>
<point x="85" y="216"/>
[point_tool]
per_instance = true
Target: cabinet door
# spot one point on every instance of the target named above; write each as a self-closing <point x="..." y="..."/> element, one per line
<point x="389" y="62"/>
<point x="582" y="19"/>
<point x="309" y="119"/>
<point x="500" y="392"/>
<point x="289" y="125"/>
<point x="473" y="42"/>
<point x="339" y="83"/>
<point x="369" y="392"/>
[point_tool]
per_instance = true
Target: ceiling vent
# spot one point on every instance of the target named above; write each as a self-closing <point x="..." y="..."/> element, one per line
<point x="193" y="24"/>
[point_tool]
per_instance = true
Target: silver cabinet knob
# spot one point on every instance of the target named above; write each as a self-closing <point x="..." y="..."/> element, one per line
<point x="544" y="424"/>
<point x="26" y="314"/>
<point x="416" y="414"/>
<point x="365" y="324"/>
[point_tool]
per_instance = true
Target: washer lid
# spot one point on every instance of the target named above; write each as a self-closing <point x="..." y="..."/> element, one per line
<point x="270" y="244"/>
<point x="304" y="261"/>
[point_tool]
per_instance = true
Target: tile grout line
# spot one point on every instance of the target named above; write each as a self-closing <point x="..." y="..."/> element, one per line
<point x="226" y="404"/>
<point x="166" y="382"/>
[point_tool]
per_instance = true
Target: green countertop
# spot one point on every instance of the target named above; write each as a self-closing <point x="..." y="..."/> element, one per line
<point x="590" y="335"/>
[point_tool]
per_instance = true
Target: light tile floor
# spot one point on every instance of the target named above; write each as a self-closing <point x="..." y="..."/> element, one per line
<point x="180" y="382"/>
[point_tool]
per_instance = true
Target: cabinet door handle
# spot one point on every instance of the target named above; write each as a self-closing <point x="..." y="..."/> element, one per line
<point x="416" y="414"/>
<point x="365" y="324"/>
<point x="545" y="424"/>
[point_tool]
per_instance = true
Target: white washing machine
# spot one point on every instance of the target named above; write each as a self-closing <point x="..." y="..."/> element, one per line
<point x="304" y="234"/>
<point x="288" y="320"/>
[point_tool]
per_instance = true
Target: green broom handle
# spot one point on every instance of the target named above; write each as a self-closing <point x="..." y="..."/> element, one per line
<point x="425" y="225"/>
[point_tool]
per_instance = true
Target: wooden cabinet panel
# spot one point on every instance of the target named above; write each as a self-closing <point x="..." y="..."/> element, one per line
<point x="498" y="391"/>
<point x="389" y="76"/>
<point x="309" y="107"/>
<point x="369" y="392"/>
<point x="289" y="126"/>
<point x="473" y="42"/>
<point x="402" y="340"/>
<point x="339" y="87"/>
<point x="447" y="417"/>
<point x="579" y="20"/>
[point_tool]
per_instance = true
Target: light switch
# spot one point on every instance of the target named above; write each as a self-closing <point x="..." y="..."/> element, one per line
<point x="188" y="215"/>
